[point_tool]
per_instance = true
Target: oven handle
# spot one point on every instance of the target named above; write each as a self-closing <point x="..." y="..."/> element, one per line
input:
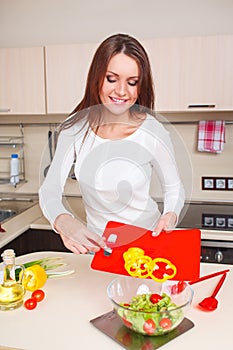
<point x="218" y="244"/>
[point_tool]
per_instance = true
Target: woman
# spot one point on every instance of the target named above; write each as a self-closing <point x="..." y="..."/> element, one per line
<point x="117" y="144"/>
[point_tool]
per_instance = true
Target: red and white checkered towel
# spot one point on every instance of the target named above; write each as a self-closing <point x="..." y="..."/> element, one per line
<point x="211" y="136"/>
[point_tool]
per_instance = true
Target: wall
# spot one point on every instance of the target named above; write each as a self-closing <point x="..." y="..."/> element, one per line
<point x="204" y="163"/>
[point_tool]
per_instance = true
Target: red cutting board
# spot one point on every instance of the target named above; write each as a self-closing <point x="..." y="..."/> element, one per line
<point x="181" y="247"/>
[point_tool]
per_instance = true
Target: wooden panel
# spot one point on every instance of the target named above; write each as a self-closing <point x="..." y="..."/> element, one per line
<point x="165" y="58"/>
<point x="192" y="73"/>
<point x="225" y="72"/>
<point x="22" y="84"/>
<point x="66" y="73"/>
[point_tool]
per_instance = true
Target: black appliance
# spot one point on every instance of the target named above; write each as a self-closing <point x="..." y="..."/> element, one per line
<point x="216" y="218"/>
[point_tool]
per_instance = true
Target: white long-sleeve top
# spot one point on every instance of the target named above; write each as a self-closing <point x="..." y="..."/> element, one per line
<point x="114" y="176"/>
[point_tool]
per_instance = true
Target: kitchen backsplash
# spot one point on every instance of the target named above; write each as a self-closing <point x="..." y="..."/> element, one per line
<point x="193" y="165"/>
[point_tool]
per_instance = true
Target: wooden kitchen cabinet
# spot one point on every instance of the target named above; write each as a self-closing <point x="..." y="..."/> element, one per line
<point x="192" y="73"/>
<point x="66" y="72"/>
<point x="164" y="55"/>
<point x="225" y="72"/>
<point x="207" y="76"/>
<point x="34" y="240"/>
<point x="22" y="83"/>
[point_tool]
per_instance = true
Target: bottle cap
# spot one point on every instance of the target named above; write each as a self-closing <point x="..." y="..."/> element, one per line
<point x="8" y="253"/>
<point x="14" y="155"/>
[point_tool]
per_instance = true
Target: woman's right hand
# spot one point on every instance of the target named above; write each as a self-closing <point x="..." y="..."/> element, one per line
<point x="76" y="237"/>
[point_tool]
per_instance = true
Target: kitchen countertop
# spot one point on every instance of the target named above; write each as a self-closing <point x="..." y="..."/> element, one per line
<point x="33" y="218"/>
<point x="62" y="320"/>
<point x="18" y="224"/>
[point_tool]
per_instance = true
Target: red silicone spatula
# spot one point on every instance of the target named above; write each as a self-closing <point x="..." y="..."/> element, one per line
<point x="203" y="278"/>
<point x="211" y="303"/>
<point x="181" y="285"/>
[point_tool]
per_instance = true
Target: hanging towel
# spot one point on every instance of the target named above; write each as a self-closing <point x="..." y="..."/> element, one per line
<point x="211" y="136"/>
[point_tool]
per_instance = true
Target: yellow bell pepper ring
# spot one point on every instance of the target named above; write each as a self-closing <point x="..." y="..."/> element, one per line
<point x="132" y="253"/>
<point x="137" y="264"/>
<point x="163" y="270"/>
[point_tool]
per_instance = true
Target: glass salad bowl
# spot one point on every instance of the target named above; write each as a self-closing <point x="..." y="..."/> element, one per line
<point x="149" y="307"/>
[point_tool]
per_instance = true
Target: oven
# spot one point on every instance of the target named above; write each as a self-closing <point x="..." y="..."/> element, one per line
<point x="215" y="220"/>
<point x="215" y="251"/>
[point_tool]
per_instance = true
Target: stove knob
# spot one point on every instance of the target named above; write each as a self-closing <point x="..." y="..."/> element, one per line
<point x="218" y="256"/>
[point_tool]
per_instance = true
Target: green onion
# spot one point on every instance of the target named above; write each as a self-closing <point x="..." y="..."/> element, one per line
<point x="59" y="274"/>
<point x="48" y="264"/>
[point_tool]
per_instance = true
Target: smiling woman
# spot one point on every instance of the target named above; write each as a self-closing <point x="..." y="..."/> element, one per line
<point x="117" y="142"/>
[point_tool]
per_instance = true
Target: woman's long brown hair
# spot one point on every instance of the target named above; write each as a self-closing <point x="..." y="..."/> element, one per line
<point x="118" y="43"/>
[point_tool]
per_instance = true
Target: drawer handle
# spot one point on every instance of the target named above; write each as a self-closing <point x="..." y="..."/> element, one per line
<point x="201" y="106"/>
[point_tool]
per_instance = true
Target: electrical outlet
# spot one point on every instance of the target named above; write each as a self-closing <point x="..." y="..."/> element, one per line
<point x="217" y="221"/>
<point x="220" y="183"/>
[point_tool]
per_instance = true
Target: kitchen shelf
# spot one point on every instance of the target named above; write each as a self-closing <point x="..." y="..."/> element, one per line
<point x="5" y="178"/>
<point x="11" y="140"/>
<point x="12" y="144"/>
<point x="7" y="158"/>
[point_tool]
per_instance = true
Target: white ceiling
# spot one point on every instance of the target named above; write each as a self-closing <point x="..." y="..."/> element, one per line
<point x="42" y="22"/>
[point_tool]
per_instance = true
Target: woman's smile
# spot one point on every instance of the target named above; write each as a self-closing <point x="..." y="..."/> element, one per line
<point x="117" y="100"/>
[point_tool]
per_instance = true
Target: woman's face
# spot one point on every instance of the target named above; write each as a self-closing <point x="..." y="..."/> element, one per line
<point x="120" y="87"/>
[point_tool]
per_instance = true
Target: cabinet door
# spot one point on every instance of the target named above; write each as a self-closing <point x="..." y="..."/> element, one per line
<point x="225" y="72"/>
<point x="199" y="73"/>
<point x="192" y="73"/>
<point x="207" y="76"/>
<point x="22" y="83"/>
<point x="165" y="57"/>
<point x="66" y="72"/>
<point x="34" y="241"/>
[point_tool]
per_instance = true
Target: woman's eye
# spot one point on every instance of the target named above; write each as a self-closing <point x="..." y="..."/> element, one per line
<point x="133" y="82"/>
<point x="111" y="79"/>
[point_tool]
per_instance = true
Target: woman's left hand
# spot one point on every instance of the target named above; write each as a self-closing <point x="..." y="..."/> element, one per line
<point x="166" y="222"/>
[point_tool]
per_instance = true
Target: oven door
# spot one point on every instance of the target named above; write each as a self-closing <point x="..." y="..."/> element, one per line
<point x="217" y="251"/>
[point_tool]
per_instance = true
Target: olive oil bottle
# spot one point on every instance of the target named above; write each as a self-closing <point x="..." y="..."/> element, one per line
<point x="11" y="291"/>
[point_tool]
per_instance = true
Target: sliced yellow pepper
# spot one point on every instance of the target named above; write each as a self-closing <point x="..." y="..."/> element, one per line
<point x="168" y="271"/>
<point x="137" y="264"/>
<point x="140" y="266"/>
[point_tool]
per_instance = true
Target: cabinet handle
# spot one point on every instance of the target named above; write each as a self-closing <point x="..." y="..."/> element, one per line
<point x="201" y="106"/>
<point x="4" y="110"/>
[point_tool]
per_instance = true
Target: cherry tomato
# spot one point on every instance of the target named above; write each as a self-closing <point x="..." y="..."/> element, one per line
<point x="165" y="323"/>
<point x="155" y="298"/>
<point x="148" y="345"/>
<point x="30" y="303"/>
<point x="126" y="322"/>
<point x="149" y="326"/>
<point x="127" y="339"/>
<point x="38" y="295"/>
